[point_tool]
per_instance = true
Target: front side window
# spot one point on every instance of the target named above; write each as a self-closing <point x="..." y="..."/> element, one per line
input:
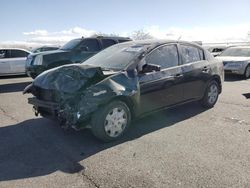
<point x="90" y="45"/>
<point x="191" y="54"/>
<point x="165" y="56"/>
<point x="18" y="53"/>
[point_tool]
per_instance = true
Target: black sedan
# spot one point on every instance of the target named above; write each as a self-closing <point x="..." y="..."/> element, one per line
<point x="125" y="81"/>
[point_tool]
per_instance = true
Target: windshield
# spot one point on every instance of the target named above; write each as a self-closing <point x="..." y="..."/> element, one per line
<point x="241" y="52"/>
<point x="71" y="44"/>
<point x="116" y="57"/>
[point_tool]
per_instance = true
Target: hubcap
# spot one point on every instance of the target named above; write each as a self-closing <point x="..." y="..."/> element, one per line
<point x="248" y="72"/>
<point x="212" y="94"/>
<point x="115" y="122"/>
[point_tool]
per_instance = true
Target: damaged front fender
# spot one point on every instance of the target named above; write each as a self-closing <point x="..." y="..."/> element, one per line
<point x="79" y="108"/>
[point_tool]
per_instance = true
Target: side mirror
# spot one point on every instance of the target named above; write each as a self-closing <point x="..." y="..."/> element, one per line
<point x="150" y="68"/>
<point x="84" y="48"/>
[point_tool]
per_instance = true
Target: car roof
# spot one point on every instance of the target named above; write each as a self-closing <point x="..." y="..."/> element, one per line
<point x="107" y="37"/>
<point x="15" y="49"/>
<point x="158" y="42"/>
<point x="46" y="47"/>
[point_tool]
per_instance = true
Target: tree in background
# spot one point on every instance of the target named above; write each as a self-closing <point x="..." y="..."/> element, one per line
<point x="141" y="35"/>
<point x="105" y="34"/>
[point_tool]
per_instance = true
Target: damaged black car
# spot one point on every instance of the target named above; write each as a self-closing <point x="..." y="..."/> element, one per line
<point x="125" y="81"/>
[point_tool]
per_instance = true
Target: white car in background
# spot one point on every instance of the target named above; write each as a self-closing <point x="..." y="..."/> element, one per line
<point x="236" y="60"/>
<point x="12" y="61"/>
<point x="216" y="50"/>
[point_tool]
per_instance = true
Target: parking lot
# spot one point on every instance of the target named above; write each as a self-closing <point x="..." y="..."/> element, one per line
<point x="183" y="147"/>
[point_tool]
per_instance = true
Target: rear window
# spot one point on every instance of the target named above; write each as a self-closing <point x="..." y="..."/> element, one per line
<point x="123" y="40"/>
<point x="91" y="44"/>
<point x="107" y="42"/>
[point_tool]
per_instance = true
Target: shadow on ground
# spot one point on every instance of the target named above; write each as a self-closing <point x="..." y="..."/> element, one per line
<point x="233" y="78"/>
<point x="13" y="87"/>
<point x="12" y="76"/>
<point x="39" y="147"/>
<point x="247" y="95"/>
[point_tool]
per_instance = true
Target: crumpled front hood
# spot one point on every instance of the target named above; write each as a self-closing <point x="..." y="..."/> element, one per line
<point x="233" y="58"/>
<point x="69" y="78"/>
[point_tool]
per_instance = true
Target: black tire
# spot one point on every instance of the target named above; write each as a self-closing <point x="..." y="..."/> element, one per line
<point x="99" y="129"/>
<point x="207" y="101"/>
<point x="247" y="73"/>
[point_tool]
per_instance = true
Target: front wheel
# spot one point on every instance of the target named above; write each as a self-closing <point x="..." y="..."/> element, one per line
<point x="111" y="121"/>
<point x="211" y="95"/>
<point x="247" y="72"/>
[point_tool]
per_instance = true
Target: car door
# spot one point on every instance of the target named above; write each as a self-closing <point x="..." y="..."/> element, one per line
<point x="162" y="88"/>
<point x="17" y="61"/>
<point x="4" y="63"/>
<point x="196" y="71"/>
<point x="86" y="49"/>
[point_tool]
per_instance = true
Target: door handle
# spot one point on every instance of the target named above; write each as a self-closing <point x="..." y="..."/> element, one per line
<point x="178" y="75"/>
<point x="205" y="69"/>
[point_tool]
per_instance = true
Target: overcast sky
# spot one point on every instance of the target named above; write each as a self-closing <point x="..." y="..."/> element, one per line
<point x="62" y="20"/>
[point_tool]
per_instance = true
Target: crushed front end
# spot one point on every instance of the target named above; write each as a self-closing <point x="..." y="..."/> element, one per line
<point x="71" y="93"/>
<point x="57" y="93"/>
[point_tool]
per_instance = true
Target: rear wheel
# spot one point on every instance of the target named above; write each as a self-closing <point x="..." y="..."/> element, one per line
<point x="247" y="72"/>
<point x="211" y="95"/>
<point x="111" y="121"/>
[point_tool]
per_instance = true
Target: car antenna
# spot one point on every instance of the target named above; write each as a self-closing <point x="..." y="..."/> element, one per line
<point x="179" y="38"/>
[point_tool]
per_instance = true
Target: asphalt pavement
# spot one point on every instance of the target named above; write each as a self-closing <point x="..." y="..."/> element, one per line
<point x="188" y="146"/>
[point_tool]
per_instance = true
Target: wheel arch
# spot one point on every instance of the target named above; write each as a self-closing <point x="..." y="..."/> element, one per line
<point x="218" y="80"/>
<point x="128" y="101"/>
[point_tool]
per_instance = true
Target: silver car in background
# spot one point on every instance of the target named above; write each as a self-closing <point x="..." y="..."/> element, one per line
<point x="12" y="61"/>
<point x="236" y="60"/>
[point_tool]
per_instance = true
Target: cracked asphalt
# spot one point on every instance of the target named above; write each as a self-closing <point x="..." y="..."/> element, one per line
<point x="183" y="147"/>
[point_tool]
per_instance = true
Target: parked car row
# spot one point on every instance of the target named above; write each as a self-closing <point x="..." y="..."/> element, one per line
<point x="236" y="60"/>
<point x="103" y="83"/>
<point x="125" y="81"/>
<point x="12" y="61"/>
<point x="75" y="51"/>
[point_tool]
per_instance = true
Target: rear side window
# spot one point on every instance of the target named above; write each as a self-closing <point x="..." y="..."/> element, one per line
<point x="18" y="53"/>
<point x="107" y="42"/>
<point x="191" y="54"/>
<point x="91" y="44"/>
<point x="165" y="56"/>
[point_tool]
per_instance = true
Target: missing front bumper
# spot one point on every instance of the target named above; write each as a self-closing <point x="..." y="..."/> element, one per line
<point x="45" y="108"/>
